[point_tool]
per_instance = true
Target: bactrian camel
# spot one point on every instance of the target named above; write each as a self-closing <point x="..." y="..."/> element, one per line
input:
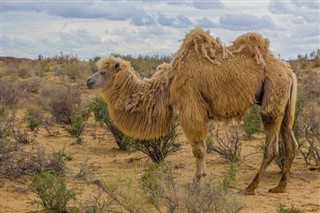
<point x="205" y="80"/>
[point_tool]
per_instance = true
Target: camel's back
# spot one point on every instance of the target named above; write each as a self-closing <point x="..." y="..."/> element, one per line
<point x="226" y="90"/>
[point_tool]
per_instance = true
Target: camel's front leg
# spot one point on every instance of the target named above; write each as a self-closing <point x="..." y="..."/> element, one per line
<point x="199" y="152"/>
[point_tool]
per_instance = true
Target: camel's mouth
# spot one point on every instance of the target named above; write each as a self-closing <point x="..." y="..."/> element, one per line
<point x="90" y="84"/>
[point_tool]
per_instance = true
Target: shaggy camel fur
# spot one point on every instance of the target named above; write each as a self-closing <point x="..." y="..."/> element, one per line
<point x="206" y="80"/>
<point x="139" y="108"/>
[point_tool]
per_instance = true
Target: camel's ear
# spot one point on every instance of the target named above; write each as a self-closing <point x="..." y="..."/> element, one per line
<point x="117" y="66"/>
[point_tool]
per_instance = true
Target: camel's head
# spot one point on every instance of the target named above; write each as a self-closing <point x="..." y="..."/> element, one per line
<point x="107" y="67"/>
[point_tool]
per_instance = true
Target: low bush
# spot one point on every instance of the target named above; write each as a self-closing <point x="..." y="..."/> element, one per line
<point x="282" y="209"/>
<point x="50" y="128"/>
<point x="158" y="149"/>
<point x="158" y="184"/>
<point x="124" y="193"/>
<point x="10" y="94"/>
<point x="252" y="122"/>
<point x="57" y="162"/>
<point x="17" y="160"/>
<point x="227" y="145"/>
<point x="22" y="136"/>
<point x="210" y="197"/>
<point x="52" y="191"/>
<point x="33" y="123"/>
<point x="62" y="102"/>
<point x="78" y="123"/>
<point x="32" y="85"/>
<point x="100" y="110"/>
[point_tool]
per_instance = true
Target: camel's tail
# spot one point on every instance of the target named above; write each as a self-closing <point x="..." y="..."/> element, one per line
<point x="291" y="107"/>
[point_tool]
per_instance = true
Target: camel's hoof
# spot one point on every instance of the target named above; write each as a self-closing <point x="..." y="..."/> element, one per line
<point x="276" y="190"/>
<point x="247" y="192"/>
<point x="198" y="178"/>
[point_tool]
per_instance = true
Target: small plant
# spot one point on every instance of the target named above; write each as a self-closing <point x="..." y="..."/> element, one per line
<point x="97" y="203"/>
<point x="159" y="149"/>
<point x="52" y="191"/>
<point x="78" y="122"/>
<point x="22" y="136"/>
<point x="282" y="209"/>
<point x="6" y="124"/>
<point x="125" y="193"/>
<point x="228" y="146"/>
<point x="57" y="161"/>
<point x="33" y="123"/>
<point x="252" y="122"/>
<point x="31" y="85"/>
<point x="50" y="128"/>
<point x="2" y="111"/>
<point x="86" y="169"/>
<point x="62" y="101"/>
<point x="16" y="160"/>
<point x="101" y="115"/>
<point x="10" y="94"/>
<point x="229" y="180"/>
<point x="209" y="197"/>
<point x="159" y="186"/>
<point x="151" y="184"/>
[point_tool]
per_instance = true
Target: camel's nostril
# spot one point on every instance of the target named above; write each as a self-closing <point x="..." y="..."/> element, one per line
<point x="89" y="83"/>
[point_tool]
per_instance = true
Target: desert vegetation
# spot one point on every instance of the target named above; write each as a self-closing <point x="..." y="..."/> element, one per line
<point x="60" y="151"/>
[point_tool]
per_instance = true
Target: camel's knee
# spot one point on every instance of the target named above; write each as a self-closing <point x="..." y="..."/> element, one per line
<point x="199" y="149"/>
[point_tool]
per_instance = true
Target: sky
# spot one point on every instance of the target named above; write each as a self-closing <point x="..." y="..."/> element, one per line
<point x="99" y="28"/>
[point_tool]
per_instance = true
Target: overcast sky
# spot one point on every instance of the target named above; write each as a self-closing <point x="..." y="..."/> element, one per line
<point x="98" y="28"/>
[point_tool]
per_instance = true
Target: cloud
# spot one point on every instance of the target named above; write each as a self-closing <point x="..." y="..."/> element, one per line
<point x="179" y="21"/>
<point x="245" y="22"/>
<point x="205" y="23"/>
<point x="90" y="28"/>
<point x="307" y="11"/>
<point x="203" y="5"/>
<point x="87" y="10"/>
<point x="165" y="21"/>
<point x="142" y="20"/>
<point x="182" y="21"/>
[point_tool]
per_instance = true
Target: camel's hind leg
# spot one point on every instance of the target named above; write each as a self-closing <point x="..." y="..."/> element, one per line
<point x="288" y="138"/>
<point x="272" y="111"/>
<point x="291" y="146"/>
<point x="272" y="128"/>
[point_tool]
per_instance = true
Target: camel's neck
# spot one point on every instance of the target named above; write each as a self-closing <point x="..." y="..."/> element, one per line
<point x="121" y="89"/>
<point x="140" y="108"/>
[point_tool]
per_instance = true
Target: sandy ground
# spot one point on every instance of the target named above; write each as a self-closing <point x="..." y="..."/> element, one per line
<point x="303" y="190"/>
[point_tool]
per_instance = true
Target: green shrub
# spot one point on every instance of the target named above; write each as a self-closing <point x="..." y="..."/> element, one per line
<point x="33" y="123"/>
<point x="158" y="184"/>
<point x="78" y="123"/>
<point x="209" y="197"/>
<point x="252" y="122"/>
<point x="2" y="111"/>
<point x="100" y="110"/>
<point x="57" y="162"/>
<point x="160" y="148"/>
<point x="229" y="180"/>
<point x="52" y="191"/>
<point x="282" y="209"/>
<point x="151" y="183"/>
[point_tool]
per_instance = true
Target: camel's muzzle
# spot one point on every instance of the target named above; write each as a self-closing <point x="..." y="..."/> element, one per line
<point x="95" y="81"/>
<point x="90" y="84"/>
